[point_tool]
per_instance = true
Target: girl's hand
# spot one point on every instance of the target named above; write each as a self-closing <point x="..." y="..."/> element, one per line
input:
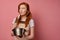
<point x="12" y="34"/>
<point x="26" y="33"/>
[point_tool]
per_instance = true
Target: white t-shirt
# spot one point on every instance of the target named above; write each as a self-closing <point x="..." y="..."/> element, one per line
<point x="31" y="22"/>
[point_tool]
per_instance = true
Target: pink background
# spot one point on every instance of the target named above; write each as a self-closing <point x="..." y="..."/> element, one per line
<point x="46" y="14"/>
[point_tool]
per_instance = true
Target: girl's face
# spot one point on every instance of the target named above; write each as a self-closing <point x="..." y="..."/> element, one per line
<point x="23" y="10"/>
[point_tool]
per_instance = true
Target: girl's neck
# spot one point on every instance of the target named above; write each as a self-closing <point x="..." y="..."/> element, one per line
<point x="23" y="18"/>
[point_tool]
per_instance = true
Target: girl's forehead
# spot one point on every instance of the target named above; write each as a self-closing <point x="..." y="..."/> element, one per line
<point x="22" y="5"/>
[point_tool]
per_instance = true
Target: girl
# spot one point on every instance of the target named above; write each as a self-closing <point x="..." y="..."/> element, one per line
<point x="24" y="20"/>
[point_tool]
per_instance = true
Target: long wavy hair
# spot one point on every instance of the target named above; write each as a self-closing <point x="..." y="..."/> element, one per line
<point x="27" y="14"/>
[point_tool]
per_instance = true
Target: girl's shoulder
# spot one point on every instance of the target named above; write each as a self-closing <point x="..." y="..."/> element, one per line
<point x="14" y="19"/>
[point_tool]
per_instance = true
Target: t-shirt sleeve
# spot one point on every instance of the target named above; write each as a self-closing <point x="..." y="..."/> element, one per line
<point x="31" y="23"/>
<point x="13" y="21"/>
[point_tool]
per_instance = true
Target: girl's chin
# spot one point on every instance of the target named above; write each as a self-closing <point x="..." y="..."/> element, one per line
<point x="22" y="14"/>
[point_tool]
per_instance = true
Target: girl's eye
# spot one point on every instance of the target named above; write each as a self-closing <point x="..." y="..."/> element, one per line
<point x="23" y="8"/>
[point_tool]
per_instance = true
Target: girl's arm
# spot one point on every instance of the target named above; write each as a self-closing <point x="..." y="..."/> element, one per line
<point x="13" y="26"/>
<point x="31" y="36"/>
<point x="31" y="23"/>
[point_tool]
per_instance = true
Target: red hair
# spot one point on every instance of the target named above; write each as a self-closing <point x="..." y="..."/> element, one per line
<point x="28" y="14"/>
